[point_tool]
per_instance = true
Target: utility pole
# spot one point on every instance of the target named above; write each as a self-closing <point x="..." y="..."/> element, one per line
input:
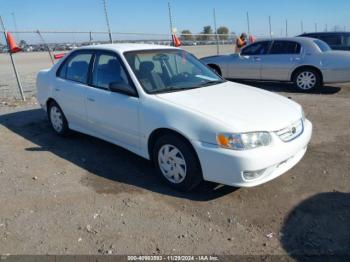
<point x="12" y="61"/>
<point x="107" y="21"/>
<point x="286" y="28"/>
<point x="302" y="27"/>
<point x="46" y="45"/>
<point x="248" y="23"/>
<point x="270" y="26"/>
<point x="216" y="33"/>
<point x="316" y="27"/>
<point x="326" y="28"/>
<point x="171" y="23"/>
<point x="90" y="38"/>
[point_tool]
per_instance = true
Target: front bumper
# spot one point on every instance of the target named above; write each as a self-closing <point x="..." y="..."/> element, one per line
<point x="226" y="166"/>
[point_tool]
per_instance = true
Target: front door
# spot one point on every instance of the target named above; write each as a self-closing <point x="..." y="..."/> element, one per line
<point x="247" y="64"/>
<point x="112" y="116"/>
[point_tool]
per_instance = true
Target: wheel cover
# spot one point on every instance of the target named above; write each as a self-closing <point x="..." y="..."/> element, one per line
<point x="172" y="163"/>
<point x="56" y="118"/>
<point x="306" y="80"/>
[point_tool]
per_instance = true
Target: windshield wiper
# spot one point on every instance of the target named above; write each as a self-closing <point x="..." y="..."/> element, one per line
<point x="213" y="82"/>
<point x="170" y="89"/>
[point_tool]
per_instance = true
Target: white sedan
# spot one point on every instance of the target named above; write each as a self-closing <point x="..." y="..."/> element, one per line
<point x="166" y="106"/>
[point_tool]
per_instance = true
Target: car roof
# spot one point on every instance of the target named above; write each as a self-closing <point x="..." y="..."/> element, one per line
<point x="326" y="33"/>
<point x="295" y="38"/>
<point x="125" y="47"/>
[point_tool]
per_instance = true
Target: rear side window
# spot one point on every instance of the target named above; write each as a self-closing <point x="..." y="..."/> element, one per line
<point x="285" y="47"/>
<point x="76" y="67"/>
<point x="323" y="46"/>
<point x="259" y="48"/>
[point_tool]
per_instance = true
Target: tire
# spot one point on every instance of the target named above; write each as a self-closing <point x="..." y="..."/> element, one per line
<point x="307" y="80"/>
<point x="181" y="169"/>
<point x="57" y="119"/>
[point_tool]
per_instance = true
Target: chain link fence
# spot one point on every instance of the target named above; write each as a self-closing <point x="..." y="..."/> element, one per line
<point x="37" y="43"/>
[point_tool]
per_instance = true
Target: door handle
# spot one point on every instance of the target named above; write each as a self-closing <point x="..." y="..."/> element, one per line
<point x="57" y="89"/>
<point x="257" y="59"/>
<point x="91" y="99"/>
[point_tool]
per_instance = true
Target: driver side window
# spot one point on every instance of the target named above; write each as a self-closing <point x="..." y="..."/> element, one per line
<point x="107" y="70"/>
<point x="259" y="48"/>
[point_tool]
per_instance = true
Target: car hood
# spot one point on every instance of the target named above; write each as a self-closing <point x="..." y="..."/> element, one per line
<point x="239" y="107"/>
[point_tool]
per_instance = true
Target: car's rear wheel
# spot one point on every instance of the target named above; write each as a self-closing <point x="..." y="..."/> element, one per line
<point x="307" y="80"/>
<point x="177" y="162"/>
<point x="57" y="119"/>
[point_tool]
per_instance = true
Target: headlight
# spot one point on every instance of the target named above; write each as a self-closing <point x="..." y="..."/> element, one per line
<point x="244" y="141"/>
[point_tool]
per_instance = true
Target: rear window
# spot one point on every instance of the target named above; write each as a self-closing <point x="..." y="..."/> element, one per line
<point x="322" y="46"/>
<point x="285" y="47"/>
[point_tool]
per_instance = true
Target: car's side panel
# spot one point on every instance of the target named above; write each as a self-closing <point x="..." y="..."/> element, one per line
<point x="70" y="97"/>
<point x="157" y="113"/>
<point x="43" y="84"/>
<point x="245" y="67"/>
<point x="113" y="115"/>
<point x="279" y="67"/>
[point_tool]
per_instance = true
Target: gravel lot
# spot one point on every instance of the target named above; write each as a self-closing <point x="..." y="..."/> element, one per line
<point x="81" y="195"/>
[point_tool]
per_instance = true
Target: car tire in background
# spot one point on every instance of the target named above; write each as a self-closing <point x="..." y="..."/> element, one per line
<point x="307" y="79"/>
<point x="177" y="162"/>
<point x="57" y="119"/>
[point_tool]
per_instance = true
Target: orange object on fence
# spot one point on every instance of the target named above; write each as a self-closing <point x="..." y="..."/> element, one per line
<point x="59" y="56"/>
<point x="12" y="43"/>
<point x="176" y="41"/>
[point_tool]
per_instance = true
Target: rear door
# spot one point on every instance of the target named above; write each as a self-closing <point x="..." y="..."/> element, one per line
<point x="70" y="87"/>
<point x="281" y="60"/>
<point x="247" y="64"/>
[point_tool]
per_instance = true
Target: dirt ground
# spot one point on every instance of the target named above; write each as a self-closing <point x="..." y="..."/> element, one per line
<point x="81" y="195"/>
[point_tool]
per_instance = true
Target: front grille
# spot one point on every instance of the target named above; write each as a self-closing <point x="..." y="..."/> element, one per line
<point x="291" y="132"/>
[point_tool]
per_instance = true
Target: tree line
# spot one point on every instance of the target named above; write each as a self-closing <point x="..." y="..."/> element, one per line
<point x="222" y="32"/>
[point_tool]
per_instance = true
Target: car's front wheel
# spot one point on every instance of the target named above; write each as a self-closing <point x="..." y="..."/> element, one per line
<point x="307" y="80"/>
<point x="177" y="162"/>
<point x="57" y="119"/>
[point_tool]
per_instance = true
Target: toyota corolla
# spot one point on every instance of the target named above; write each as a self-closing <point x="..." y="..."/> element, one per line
<point x="166" y="106"/>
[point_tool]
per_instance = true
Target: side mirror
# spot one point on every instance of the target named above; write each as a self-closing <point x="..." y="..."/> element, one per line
<point x="122" y="88"/>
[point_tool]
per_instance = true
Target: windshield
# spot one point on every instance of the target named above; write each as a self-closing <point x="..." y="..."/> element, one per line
<point x="170" y="70"/>
<point x="323" y="46"/>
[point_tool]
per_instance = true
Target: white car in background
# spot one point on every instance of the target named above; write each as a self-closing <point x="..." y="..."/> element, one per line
<point x="166" y="106"/>
<point x="308" y="63"/>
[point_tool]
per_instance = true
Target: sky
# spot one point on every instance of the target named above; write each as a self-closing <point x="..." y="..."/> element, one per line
<point x="151" y="16"/>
